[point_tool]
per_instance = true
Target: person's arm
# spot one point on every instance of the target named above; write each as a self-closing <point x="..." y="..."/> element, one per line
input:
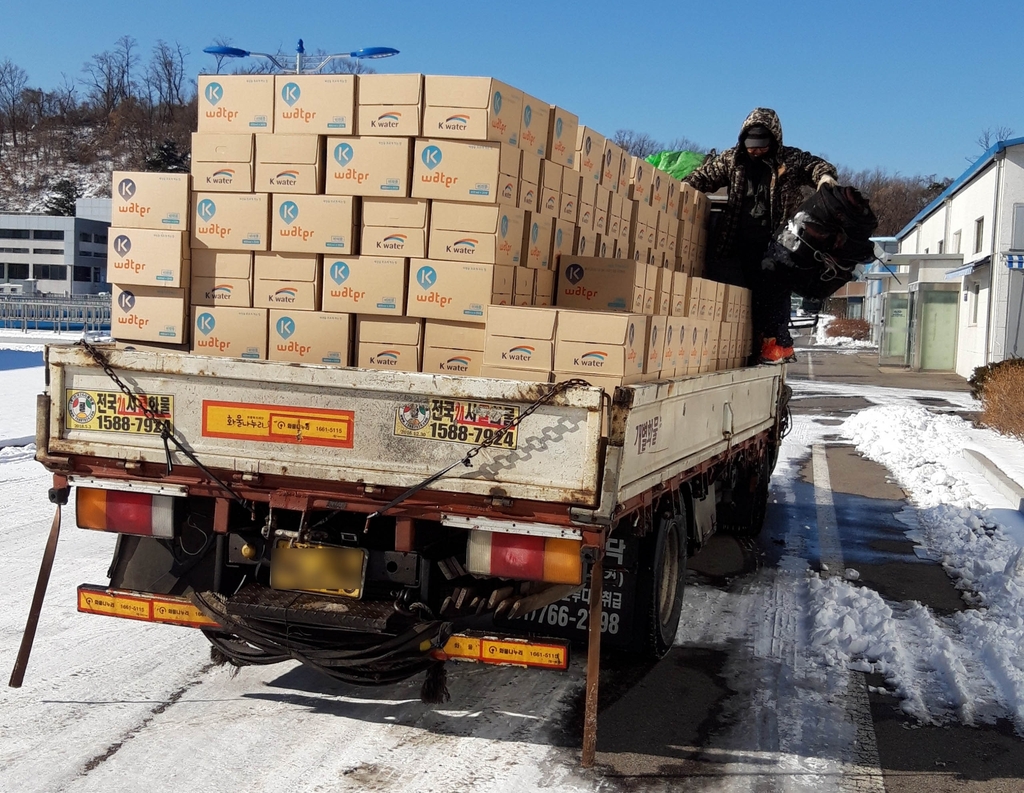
<point x="813" y="170"/>
<point x="711" y="176"/>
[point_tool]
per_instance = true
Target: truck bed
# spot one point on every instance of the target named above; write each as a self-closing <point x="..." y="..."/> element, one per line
<point x="394" y="429"/>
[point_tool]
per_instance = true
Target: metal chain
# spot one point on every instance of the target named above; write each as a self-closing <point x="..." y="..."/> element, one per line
<point x="466" y="460"/>
<point x="135" y="401"/>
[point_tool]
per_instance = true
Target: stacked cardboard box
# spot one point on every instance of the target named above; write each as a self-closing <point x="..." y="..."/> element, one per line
<point x="407" y="222"/>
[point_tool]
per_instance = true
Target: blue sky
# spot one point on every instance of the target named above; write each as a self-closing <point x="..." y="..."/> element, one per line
<point x="899" y="85"/>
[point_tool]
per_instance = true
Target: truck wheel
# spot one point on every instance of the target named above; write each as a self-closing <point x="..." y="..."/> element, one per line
<point x="663" y="557"/>
<point x="743" y="515"/>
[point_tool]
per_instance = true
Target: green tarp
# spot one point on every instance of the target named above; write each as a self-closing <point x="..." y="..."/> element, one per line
<point x="679" y="164"/>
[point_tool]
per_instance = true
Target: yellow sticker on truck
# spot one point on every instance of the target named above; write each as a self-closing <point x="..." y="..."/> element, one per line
<point x="304" y="426"/>
<point x="113" y="411"/>
<point x="458" y="421"/>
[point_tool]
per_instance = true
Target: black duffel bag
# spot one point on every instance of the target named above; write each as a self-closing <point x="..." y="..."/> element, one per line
<point x="815" y="253"/>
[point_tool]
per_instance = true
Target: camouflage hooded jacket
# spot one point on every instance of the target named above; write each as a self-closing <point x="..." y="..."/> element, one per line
<point x="792" y="169"/>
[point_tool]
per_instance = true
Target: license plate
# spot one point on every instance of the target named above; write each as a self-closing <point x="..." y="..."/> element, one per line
<point x="113" y="411"/>
<point x="318" y="568"/>
<point x="457" y="421"/>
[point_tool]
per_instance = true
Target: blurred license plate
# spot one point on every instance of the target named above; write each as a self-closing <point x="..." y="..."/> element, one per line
<point x="318" y="568"/>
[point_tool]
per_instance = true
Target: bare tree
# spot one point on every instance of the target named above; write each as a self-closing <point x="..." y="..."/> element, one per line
<point x="13" y="80"/>
<point x="109" y="76"/>
<point x="683" y="143"/>
<point x="165" y="78"/>
<point x="895" y="199"/>
<point x="638" y="144"/>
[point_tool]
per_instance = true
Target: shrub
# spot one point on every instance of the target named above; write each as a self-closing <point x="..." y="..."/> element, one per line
<point x="981" y="374"/>
<point x="1002" y="390"/>
<point x="856" y="329"/>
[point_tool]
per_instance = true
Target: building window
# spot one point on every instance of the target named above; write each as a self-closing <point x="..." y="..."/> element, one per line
<point x="13" y="234"/>
<point x="86" y="254"/>
<point x="83" y="274"/>
<point x="13" y="250"/>
<point x="956" y="241"/>
<point x="1017" y="238"/>
<point x="49" y="251"/>
<point x="85" y="236"/>
<point x="50" y="272"/>
<point x="100" y="239"/>
<point x="975" y="300"/>
<point x="99" y="255"/>
<point x="17" y="271"/>
<point x="926" y="251"/>
<point x="46" y="234"/>
<point x="979" y="231"/>
<point x="942" y="244"/>
<point x="97" y="276"/>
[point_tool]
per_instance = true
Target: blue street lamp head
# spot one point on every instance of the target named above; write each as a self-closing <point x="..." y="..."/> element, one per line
<point x="373" y="52"/>
<point x="230" y="52"/>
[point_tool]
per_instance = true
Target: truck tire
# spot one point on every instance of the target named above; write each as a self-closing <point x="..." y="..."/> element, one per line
<point x="743" y="515"/>
<point x="660" y="584"/>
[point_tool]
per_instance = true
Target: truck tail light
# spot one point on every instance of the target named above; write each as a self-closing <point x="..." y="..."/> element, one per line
<point x="525" y="557"/>
<point x="145" y="514"/>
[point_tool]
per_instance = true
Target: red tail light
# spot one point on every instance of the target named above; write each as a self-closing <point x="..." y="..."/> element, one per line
<point x="125" y="512"/>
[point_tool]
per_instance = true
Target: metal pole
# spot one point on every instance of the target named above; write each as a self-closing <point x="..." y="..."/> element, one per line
<point x="593" y="662"/>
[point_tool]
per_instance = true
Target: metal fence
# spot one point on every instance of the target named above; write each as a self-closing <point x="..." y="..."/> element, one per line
<point x="39" y="312"/>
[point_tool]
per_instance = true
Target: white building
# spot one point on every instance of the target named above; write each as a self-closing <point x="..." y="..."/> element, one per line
<point x="980" y="217"/>
<point x="52" y="254"/>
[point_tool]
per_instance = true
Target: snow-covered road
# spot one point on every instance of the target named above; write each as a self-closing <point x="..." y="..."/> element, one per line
<point x="113" y="705"/>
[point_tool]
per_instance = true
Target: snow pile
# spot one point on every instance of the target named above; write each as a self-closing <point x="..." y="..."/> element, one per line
<point x="821" y="339"/>
<point x="968" y="665"/>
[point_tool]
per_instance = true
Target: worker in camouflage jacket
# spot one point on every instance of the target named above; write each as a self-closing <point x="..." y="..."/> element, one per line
<point x="765" y="180"/>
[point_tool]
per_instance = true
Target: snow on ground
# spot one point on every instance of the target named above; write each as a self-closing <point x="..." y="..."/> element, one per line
<point x="839" y="343"/>
<point x="18" y="415"/>
<point x="12" y="339"/>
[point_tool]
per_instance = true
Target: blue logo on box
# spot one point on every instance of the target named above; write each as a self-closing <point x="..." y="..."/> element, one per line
<point x="426" y="277"/>
<point x="126" y="189"/>
<point x="496" y="104"/>
<point x="291" y="93"/>
<point x="527" y="115"/>
<point x="534" y="232"/>
<point x="214" y="93"/>
<point x="126" y="300"/>
<point x="122" y="244"/>
<point x="340" y="272"/>
<point x="574" y="273"/>
<point x="289" y="212"/>
<point x="431" y="157"/>
<point x="206" y="323"/>
<point x="206" y="209"/>
<point x="343" y="153"/>
<point x="558" y="128"/>
<point x="285" y="327"/>
<point x="504" y="225"/>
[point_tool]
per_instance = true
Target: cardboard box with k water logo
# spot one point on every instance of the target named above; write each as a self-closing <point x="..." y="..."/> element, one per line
<point x="589" y="153"/>
<point x="368" y="166"/>
<point x="476" y="233"/>
<point x="601" y="344"/>
<point x="221" y="264"/>
<point x="456" y="290"/>
<point x="222" y="163"/>
<point x="520" y="338"/>
<point x="455" y="348"/>
<point x="533" y="130"/>
<point x="313" y="224"/>
<point x="537" y="232"/>
<point x="395" y="227"/>
<point x="221" y="292"/>
<point x="390" y="104"/>
<point x="602" y="284"/>
<point x="236" y="103"/>
<point x="389" y="343"/>
<point x="482" y="173"/>
<point x="289" y="164"/>
<point x="230" y="221"/>
<point x="365" y="285"/>
<point x="310" y="337"/>
<point x="472" y="108"/>
<point x="146" y="313"/>
<point x="148" y="257"/>
<point x="150" y="200"/>
<point x="562" y="128"/>
<point x="318" y="104"/>
<point x="611" y="166"/>
<point x="225" y="332"/>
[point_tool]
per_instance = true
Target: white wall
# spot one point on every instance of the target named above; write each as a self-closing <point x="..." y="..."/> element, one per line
<point x="973" y="321"/>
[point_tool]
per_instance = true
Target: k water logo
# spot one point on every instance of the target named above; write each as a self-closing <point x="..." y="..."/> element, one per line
<point x="214" y="93"/>
<point x="206" y="209"/>
<point x="574" y="273"/>
<point x="558" y="128"/>
<point x="285" y="327"/>
<point x="340" y="272"/>
<point x="632" y="333"/>
<point x="289" y="212"/>
<point x="496" y="103"/>
<point x="122" y="245"/>
<point x="431" y="157"/>
<point x="587" y="145"/>
<point x="343" y="153"/>
<point x="504" y="225"/>
<point x="426" y="277"/>
<point x="534" y="233"/>
<point x="126" y="301"/>
<point x="527" y="116"/>
<point x="608" y="158"/>
<point x="290" y="94"/>
<point x="558" y="238"/>
<point x="206" y="323"/>
<point x="126" y="189"/>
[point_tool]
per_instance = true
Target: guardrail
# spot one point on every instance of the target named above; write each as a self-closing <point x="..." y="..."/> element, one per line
<point x="35" y="312"/>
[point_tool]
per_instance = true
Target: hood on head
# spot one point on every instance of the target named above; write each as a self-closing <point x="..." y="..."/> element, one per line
<point x="766" y="117"/>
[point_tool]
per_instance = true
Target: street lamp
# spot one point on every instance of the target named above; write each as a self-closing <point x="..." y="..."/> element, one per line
<point x="300" y="50"/>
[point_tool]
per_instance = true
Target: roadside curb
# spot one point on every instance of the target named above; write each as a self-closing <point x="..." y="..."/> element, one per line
<point x="998" y="478"/>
